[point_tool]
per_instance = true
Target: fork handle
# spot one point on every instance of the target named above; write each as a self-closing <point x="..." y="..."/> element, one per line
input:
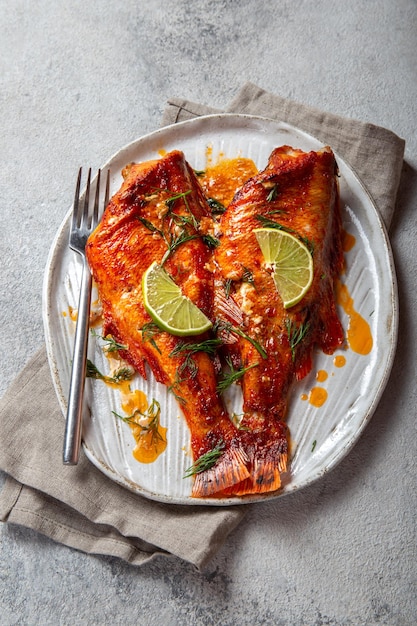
<point x="73" y="427"/>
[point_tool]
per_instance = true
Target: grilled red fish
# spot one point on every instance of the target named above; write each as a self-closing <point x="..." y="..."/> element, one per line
<point x="298" y="192"/>
<point x="160" y="213"/>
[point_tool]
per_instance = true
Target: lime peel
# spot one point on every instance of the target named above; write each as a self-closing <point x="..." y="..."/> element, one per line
<point x="291" y="260"/>
<point x="168" y="307"/>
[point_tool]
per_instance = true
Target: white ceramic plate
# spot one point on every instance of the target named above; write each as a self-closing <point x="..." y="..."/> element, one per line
<point x="321" y="437"/>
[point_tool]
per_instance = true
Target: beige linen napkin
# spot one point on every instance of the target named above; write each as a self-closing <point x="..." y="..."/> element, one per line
<point x="80" y="507"/>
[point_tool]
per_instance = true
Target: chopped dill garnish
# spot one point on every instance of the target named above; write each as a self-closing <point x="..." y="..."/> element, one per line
<point x="150" y="226"/>
<point x="233" y="375"/>
<point x="188" y="364"/>
<point x="111" y="344"/>
<point x="172" y="199"/>
<point x="272" y="194"/>
<point x="210" y="241"/>
<point x="206" y="461"/>
<point x="150" y="419"/>
<point x="200" y="172"/>
<point x="247" y="276"/>
<point x="179" y="220"/>
<point x="123" y="373"/>
<point x="216" y="207"/>
<point x="227" y="286"/>
<point x="314" y="445"/>
<point x="221" y="326"/>
<point x="148" y="331"/>
<point x="209" y="346"/>
<point x="296" y="334"/>
<point x="172" y="388"/>
<point x="175" y="242"/>
<point x="93" y="372"/>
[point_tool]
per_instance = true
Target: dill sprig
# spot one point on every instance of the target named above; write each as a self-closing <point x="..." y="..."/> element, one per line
<point x="216" y="207"/>
<point x="206" y="461"/>
<point x="150" y="419"/>
<point x="209" y="346"/>
<point x="149" y="330"/>
<point x="272" y="194"/>
<point x="179" y="220"/>
<point x="93" y="372"/>
<point x="172" y="389"/>
<point x="123" y="373"/>
<point x="227" y="285"/>
<point x="233" y="375"/>
<point x="147" y="224"/>
<point x="296" y="334"/>
<point x="176" y="196"/>
<point x="211" y="241"/>
<point x="187" y="224"/>
<point x="221" y="326"/>
<point x="247" y="276"/>
<point x="175" y="241"/>
<point x="111" y="344"/>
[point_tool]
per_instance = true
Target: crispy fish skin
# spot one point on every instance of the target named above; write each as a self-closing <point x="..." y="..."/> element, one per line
<point x="160" y="213"/>
<point x="300" y="192"/>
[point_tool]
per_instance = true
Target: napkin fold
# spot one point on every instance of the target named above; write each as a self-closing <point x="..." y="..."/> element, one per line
<point x="79" y="506"/>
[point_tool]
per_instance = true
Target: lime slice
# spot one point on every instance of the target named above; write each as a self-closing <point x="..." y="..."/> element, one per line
<point x="168" y="307"/>
<point x="291" y="260"/>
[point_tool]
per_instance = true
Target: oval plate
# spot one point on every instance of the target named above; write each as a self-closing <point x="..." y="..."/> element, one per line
<point x="320" y="437"/>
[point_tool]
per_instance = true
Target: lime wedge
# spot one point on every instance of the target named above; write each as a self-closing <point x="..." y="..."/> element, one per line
<point x="291" y="260"/>
<point x="168" y="307"/>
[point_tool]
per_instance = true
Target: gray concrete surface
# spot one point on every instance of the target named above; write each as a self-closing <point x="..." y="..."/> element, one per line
<point x="77" y="81"/>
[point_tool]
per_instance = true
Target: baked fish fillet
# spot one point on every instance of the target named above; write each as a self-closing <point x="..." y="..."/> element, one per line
<point x="297" y="192"/>
<point x="160" y="214"/>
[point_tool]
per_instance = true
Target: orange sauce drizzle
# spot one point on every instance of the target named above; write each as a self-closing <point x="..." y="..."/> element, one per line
<point x="339" y="360"/>
<point x="359" y="334"/>
<point x="73" y="313"/>
<point x="95" y="313"/>
<point x="318" y="396"/>
<point x="149" y="443"/>
<point x="222" y="180"/>
<point x="348" y="241"/>
<point x="321" y="376"/>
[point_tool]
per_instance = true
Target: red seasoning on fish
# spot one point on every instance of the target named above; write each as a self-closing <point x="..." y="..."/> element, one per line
<point x="298" y="193"/>
<point x="160" y="214"/>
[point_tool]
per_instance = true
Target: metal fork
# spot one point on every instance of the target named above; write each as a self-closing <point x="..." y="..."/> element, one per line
<point x="83" y="223"/>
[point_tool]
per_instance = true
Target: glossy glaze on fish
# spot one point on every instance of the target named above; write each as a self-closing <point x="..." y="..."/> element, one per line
<point x="160" y="214"/>
<point x="297" y="192"/>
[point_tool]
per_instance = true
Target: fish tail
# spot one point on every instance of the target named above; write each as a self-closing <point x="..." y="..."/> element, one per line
<point x="230" y="469"/>
<point x="267" y="461"/>
<point x="268" y="467"/>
